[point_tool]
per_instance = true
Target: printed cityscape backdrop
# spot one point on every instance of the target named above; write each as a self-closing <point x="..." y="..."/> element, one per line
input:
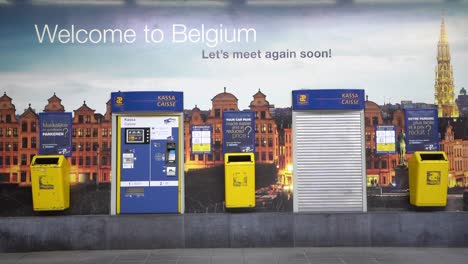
<point x="392" y="60"/>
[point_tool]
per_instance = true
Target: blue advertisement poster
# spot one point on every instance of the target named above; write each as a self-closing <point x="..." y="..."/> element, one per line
<point x="55" y="134"/>
<point x="421" y="130"/>
<point x="239" y="131"/>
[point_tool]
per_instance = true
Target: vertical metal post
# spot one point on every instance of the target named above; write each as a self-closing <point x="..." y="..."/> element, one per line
<point x="113" y="200"/>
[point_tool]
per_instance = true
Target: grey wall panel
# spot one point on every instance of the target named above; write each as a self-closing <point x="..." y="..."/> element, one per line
<point x="320" y="230"/>
<point x="52" y="233"/>
<point x="145" y="231"/>
<point x="206" y="231"/>
<point x="380" y="229"/>
<point x="262" y="230"/>
<point x="431" y="229"/>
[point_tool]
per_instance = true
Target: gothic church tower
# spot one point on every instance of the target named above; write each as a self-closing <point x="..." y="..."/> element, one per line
<point x="444" y="88"/>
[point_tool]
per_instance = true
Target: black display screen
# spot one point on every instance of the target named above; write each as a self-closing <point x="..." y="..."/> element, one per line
<point x="136" y="135"/>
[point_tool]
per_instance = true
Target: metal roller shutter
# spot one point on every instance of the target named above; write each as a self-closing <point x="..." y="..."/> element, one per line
<point x="329" y="165"/>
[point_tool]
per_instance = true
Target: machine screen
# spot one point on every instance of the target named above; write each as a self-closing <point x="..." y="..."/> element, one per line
<point x="135" y="135"/>
<point x="172" y="155"/>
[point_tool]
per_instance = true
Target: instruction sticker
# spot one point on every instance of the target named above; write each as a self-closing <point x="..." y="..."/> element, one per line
<point x="161" y="132"/>
<point x="433" y="178"/>
<point x="128" y="160"/>
<point x="171" y="171"/>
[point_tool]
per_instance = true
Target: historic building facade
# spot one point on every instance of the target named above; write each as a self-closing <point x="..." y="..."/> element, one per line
<point x="456" y="150"/>
<point x="285" y="157"/>
<point x="19" y="142"/>
<point x="29" y="121"/>
<point x="444" y="87"/>
<point x="221" y="102"/>
<point x="266" y="132"/>
<point x="12" y="143"/>
<point x="267" y="145"/>
<point x="380" y="169"/>
<point x="91" y="149"/>
<point x="454" y="143"/>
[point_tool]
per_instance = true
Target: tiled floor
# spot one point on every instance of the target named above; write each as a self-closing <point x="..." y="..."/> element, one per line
<point x="248" y="256"/>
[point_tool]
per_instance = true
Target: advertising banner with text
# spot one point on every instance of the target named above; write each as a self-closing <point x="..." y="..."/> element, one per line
<point x="422" y="133"/>
<point x="55" y="134"/>
<point x="233" y="65"/>
<point x="239" y="132"/>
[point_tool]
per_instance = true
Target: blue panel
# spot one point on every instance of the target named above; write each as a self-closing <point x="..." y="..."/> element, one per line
<point x="328" y="99"/>
<point x="141" y="164"/>
<point x="155" y="200"/>
<point x="158" y="163"/>
<point x="238" y="131"/>
<point x="421" y="126"/>
<point x="150" y="185"/>
<point x="147" y="101"/>
<point x="55" y="131"/>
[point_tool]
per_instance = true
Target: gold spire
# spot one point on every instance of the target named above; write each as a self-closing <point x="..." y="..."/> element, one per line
<point x="443" y="32"/>
<point x="443" y="49"/>
<point x="444" y="87"/>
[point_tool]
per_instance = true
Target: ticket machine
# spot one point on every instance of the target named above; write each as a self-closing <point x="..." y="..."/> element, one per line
<point x="147" y="158"/>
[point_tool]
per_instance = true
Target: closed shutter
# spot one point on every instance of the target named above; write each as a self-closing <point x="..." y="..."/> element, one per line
<point x="329" y="162"/>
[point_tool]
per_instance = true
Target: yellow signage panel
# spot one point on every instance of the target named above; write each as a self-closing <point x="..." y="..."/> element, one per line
<point x="201" y="139"/>
<point x="201" y="147"/>
<point x="386" y="147"/>
<point x="385" y="139"/>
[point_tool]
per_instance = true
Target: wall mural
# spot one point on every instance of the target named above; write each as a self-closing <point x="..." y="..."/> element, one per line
<point x="69" y="58"/>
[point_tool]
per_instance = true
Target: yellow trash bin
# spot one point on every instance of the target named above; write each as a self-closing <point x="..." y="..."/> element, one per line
<point x="428" y="178"/>
<point x="50" y="179"/>
<point x="239" y="172"/>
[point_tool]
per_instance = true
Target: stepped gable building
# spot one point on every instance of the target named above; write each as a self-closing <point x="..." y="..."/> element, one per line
<point x="267" y="146"/>
<point x="10" y="139"/>
<point x="19" y="142"/>
<point x="54" y="105"/>
<point x="29" y="142"/>
<point x="91" y="154"/>
<point x="266" y="132"/>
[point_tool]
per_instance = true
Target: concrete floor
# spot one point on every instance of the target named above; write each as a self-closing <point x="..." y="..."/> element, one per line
<point x="248" y="256"/>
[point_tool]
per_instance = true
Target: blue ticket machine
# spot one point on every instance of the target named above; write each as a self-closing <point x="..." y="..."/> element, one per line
<point x="147" y="158"/>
